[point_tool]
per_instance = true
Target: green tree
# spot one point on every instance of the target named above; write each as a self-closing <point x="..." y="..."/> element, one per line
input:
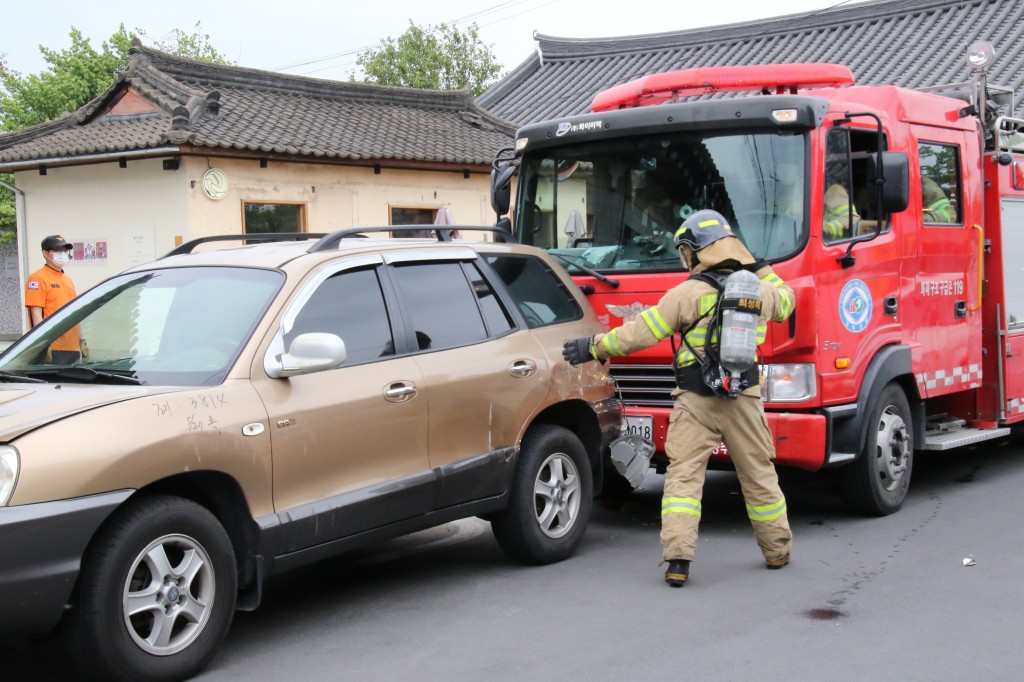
<point x="76" y="75"/>
<point x="436" y="57"/>
<point x="195" y="45"/>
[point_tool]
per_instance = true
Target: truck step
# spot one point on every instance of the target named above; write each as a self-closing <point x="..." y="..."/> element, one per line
<point x="954" y="438"/>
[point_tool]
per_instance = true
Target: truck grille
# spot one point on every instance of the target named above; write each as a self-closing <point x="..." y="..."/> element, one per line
<point x="645" y="385"/>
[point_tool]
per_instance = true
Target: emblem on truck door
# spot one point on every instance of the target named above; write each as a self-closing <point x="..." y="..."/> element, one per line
<point x="855" y="305"/>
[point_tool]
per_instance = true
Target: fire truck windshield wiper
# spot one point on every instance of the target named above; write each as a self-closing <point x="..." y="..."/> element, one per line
<point x="613" y="283"/>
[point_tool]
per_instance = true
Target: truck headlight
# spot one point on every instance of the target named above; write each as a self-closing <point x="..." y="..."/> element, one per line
<point x="8" y="473"/>
<point x="788" y="383"/>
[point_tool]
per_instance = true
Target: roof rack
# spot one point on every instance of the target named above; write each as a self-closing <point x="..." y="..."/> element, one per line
<point x="188" y="246"/>
<point x="443" y="232"/>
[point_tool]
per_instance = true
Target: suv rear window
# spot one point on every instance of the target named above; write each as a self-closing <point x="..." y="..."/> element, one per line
<point x="539" y="293"/>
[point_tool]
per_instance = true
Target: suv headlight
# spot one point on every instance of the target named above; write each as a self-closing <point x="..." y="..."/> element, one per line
<point x="788" y="383"/>
<point x="8" y="473"/>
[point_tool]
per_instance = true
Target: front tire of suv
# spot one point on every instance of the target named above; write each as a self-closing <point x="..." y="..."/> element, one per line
<point x="156" y="593"/>
<point x="550" y="500"/>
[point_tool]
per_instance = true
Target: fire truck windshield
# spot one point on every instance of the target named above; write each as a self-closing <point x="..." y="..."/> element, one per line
<point x="614" y="205"/>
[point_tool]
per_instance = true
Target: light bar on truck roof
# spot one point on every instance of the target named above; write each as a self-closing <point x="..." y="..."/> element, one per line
<point x="779" y="78"/>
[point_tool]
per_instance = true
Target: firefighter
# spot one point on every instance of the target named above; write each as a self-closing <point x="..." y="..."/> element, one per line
<point x="937" y="208"/>
<point x="837" y="210"/>
<point x="701" y="420"/>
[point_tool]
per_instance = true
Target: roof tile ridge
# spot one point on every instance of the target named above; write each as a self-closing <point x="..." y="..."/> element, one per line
<point x="182" y="70"/>
<point x="164" y="82"/>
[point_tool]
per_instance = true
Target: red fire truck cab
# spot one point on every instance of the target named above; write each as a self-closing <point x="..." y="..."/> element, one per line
<point x="897" y="217"/>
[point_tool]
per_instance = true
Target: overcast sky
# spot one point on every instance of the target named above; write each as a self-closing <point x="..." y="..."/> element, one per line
<point x="321" y="38"/>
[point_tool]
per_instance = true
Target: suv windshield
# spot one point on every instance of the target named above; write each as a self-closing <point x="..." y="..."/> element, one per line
<point x="614" y="205"/>
<point x="156" y="327"/>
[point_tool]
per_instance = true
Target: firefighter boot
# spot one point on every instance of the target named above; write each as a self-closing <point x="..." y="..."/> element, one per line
<point x="776" y="564"/>
<point x="677" y="573"/>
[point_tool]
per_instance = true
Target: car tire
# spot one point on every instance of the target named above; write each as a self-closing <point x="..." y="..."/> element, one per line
<point x="878" y="481"/>
<point x="156" y="593"/>
<point x="550" y="500"/>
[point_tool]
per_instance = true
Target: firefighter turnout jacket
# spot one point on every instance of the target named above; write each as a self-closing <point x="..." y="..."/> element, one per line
<point x="688" y="306"/>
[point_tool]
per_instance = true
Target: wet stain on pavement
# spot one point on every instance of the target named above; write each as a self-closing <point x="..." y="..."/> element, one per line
<point x="824" y="614"/>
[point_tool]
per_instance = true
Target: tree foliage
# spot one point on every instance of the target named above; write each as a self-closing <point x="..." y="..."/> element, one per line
<point x="436" y="57"/>
<point x="74" y="76"/>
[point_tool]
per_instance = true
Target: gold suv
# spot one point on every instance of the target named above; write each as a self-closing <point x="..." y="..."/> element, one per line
<point x="242" y="411"/>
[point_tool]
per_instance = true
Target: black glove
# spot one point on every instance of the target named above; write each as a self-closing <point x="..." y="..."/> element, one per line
<point x="577" y="351"/>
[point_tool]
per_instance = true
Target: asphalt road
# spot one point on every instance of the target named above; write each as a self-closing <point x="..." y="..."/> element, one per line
<point x="865" y="598"/>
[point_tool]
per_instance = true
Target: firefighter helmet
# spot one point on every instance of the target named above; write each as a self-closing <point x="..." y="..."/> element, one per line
<point x="702" y="229"/>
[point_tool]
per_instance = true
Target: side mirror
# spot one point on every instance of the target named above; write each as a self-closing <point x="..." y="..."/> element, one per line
<point x="312" y="353"/>
<point x="501" y="187"/>
<point x="890" y="171"/>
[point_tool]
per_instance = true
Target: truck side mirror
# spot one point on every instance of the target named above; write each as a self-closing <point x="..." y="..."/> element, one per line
<point x="501" y="187"/>
<point x="895" y="183"/>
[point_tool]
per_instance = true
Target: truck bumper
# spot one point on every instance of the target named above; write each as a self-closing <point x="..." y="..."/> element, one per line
<point x="801" y="439"/>
<point x="41" y="547"/>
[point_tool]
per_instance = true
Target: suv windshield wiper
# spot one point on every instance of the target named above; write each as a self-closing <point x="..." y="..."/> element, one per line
<point x="87" y="374"/>
<point x="613" y="283"/>
<point x="7" y="376"/>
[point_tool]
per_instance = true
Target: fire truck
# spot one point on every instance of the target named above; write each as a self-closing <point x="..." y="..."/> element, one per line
<point x="896" y="215"/>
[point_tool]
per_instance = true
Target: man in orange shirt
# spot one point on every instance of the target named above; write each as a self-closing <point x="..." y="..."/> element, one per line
<point x="49" y="288"/>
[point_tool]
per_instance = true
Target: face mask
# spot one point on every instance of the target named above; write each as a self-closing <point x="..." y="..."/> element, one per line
<point x="61" y="257"/>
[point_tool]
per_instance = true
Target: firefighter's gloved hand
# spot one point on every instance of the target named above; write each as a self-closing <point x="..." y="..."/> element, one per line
<point x="577" y="351"/>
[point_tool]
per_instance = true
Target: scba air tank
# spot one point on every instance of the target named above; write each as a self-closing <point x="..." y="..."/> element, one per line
<point x="740" y="307"/>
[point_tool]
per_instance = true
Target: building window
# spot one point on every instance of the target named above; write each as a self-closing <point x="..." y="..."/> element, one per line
<point x="262" y="217"/>
<point x="940" y="183"/>
<point x="413" y="216"/>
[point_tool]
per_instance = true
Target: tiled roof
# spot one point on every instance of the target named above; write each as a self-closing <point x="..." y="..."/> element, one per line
<point x="912" y="43"/>
<point x="184" y="102"/>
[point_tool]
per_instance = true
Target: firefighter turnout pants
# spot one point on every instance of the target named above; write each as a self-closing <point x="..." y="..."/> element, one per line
<point x="697" y="425"/>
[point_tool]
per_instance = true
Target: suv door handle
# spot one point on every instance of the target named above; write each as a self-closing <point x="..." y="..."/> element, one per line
<point x="399" y="392"/>
<point x="522" y="368"/>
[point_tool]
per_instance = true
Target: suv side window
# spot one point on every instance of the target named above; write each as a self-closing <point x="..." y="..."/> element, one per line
<point x="351" y="305"/>
<point x="442" y="307"/>
<point x="539" y="293"/>
<point x="496" y="317"/>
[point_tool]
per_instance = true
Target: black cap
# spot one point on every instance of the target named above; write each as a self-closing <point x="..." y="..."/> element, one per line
<point x="56" y="243"/>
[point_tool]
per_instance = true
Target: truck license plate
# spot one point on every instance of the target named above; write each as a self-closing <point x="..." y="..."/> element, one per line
<point x="640" y="426"/>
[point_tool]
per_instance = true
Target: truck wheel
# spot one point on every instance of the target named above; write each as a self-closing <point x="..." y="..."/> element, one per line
<point x="551" y="497"/>
<point x="156" y="593"/>
<point x="878" y="481"/>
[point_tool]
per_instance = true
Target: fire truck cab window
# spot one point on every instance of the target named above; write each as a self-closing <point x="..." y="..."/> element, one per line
<point x="615" y="205"/>
<point x="940" y="183"/>
<point x="848" y="205"/>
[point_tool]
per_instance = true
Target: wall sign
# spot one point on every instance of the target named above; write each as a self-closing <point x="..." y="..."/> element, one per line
<point x="215" y="183"/>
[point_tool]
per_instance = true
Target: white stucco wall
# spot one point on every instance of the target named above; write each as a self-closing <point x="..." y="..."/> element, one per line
<point x="142" y="211"/>
<point x="335" y="196"/>
<point x="130" y="209"/>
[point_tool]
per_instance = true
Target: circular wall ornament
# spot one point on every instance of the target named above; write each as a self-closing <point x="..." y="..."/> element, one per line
<point x="215" y="183"/>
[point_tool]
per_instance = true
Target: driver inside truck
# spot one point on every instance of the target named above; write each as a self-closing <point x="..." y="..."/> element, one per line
<point x="840" y="219"/>
<point x="935" y="204"/>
